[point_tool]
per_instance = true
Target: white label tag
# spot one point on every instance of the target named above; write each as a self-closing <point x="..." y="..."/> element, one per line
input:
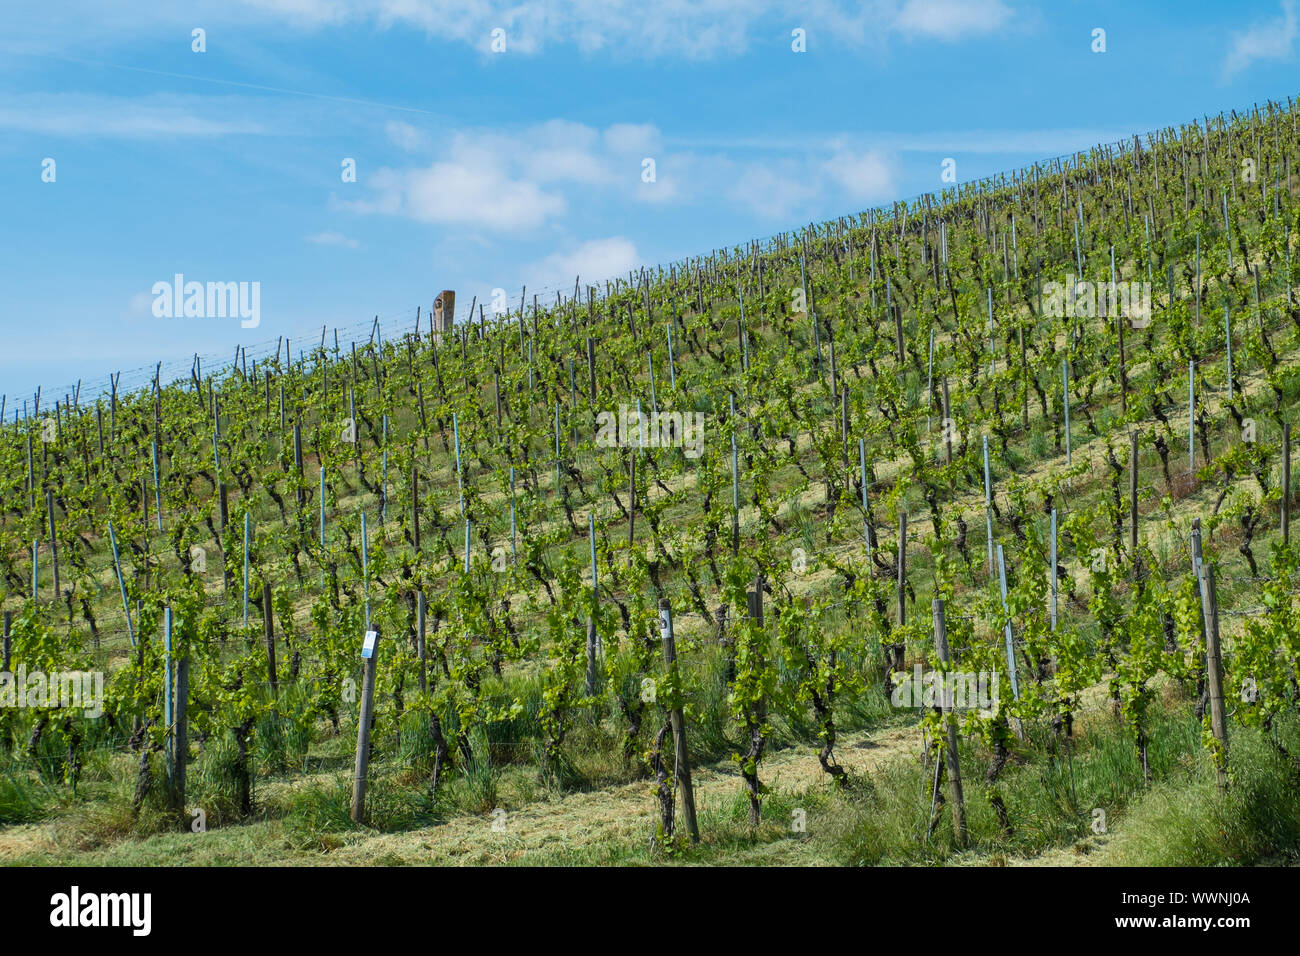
<point x="368" y="645"/>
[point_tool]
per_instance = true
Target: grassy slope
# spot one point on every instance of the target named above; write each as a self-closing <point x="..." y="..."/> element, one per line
<point x="601" y="818"/>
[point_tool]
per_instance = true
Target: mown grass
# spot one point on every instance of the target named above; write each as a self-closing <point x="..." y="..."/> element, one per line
<point x="1052" y="795"/>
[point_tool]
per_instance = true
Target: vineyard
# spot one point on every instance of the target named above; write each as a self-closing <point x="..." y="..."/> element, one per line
<point x="687" y="566"/>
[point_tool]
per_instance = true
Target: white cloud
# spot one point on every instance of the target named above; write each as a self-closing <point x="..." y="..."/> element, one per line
<point x="690" y="29"/>
<point x="563" y="151"/>
<point x="504" y="181"/>
<point x="87" y="115"/>
<point x="777" y="191"/>
<point x="671" y="29"/>
<point x="593" y="261"/>
<point x="461" y="192"/>
<point x="141" y="306"/>
<point x="634" y="139"/>
<point x="951" y="20"/>
<point x="664" y="189"/>
<point x="407" y="137"/>
<point x="866" y="177"/>
<point x="485" y="195"/>
<point x="332" y="239"/>
<point x="307" y="11"/>
<point x="1273" y="40"/>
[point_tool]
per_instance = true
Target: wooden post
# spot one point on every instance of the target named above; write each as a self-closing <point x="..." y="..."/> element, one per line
<point x="1286" y="483"/>
<point x="950" y="720"/>
<point x="844" y="425"/>
<point x="496" y="394"/>
<point x="297" y="461"/>
<point x="866" y="512"/>
<point x="1214" y="671"/>
<point x="269" y="629"/>
<point x="31" y="470"/>
<point x="1133" y="498"/>
<point x="6" y="648"/>
<point x="559" y="479"/>
<point x="364" y="721"/>
<point x="169" y="713"/>
<point x="54" y="542"/>
<point x="735" y="492"/>
<point x="1198" y="281"/>
<point x="514" y="554"/>
<point x="460" y="481"/>
<point x="421" y="610"/>
<point x="678" y="723"/>
<point x="157" y="486"/>
<point x="1024" y="387"/>
<point x="947" y="425"/>
<point x="744" y="342"/>
<point x="835" y="375"/>
<point x="181" y="742"/>
<point x="247" y="523"/>
<point x="897" y="648"/>
<point x="902" y="568"/>
<point x="365" y="563"/>
<point x="754" y="600"/>
<point x="1065" y="402"/>
<point x="592" y="639"/>
<point x="1227" y="335"/>
<point x="1053" y="559"/>
<point x="1119" y="328"/>
<point x="898" y="333"/>
<point x="321" y="499"/>
<point x="992" y="345"/>
<point x="929" y="383"/>
<point x="631" y="508"/>
<point x="988" y="505"/>
<point x="415" y="507"/>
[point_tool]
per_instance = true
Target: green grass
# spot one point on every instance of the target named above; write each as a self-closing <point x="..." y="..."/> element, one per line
<point x="1190" y="822"/>
<point x="1050" y="800"/>
<point x="22" y="799"/>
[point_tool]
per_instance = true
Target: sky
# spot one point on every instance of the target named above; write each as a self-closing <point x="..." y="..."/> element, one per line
<point x="498" y="145"/>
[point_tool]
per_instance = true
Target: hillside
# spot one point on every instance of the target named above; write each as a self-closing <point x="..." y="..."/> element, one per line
<point x="858" y="435"/>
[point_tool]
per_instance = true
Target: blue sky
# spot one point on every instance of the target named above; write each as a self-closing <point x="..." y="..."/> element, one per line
<point x="478" y="170"/>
